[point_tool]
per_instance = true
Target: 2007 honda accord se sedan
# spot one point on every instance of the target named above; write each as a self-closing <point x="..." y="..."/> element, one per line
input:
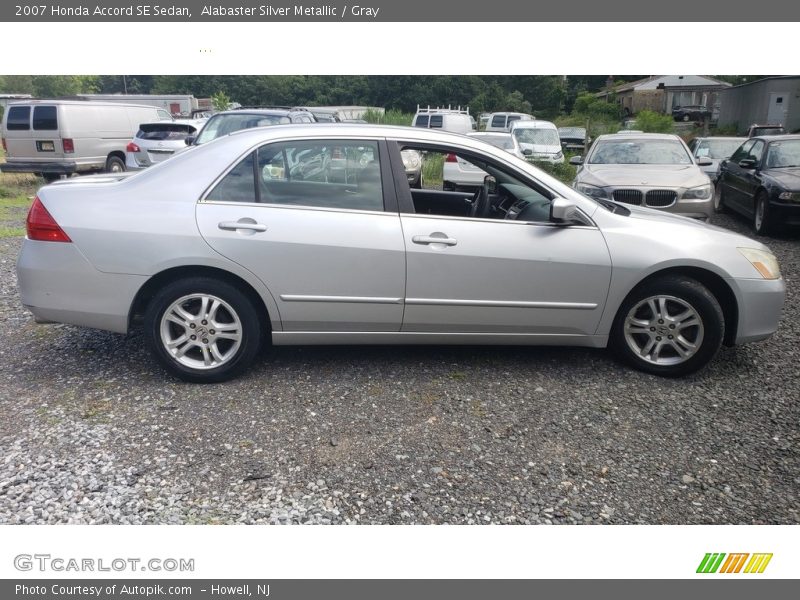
<point x="311" y="235"/>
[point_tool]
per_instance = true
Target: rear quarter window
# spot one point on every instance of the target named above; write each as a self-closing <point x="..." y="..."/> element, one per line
<point x="421" y="121"/>
<point x="45" y="118"/>
<point x="437" y="121"/>
<point x="19" y="118"/>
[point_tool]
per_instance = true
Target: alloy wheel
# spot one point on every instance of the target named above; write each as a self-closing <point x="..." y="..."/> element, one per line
<point x="664" y="330"/>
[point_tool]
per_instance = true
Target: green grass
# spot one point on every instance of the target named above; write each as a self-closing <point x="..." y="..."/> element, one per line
<point x="432" y="167"/>
<point x="16" y="191"/>
<point x="390" y="117"/>
<point x="9" y="232"/>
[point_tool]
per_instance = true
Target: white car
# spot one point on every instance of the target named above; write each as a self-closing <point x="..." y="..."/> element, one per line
<point x="539" y="141"/>
<point x="156" y="142"/>
<point x="457" y="173"/>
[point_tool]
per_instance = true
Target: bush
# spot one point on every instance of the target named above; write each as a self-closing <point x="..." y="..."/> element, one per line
<point x="390" y="117"/>
<point x="653" y="122"/>
<point x="564" y="172"/>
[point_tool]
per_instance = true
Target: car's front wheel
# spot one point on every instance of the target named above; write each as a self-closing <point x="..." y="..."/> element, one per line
<point x="762" y="220"/>
<point x="203" y="330"/>
<point x="719" y="198"/>
<point x="670" y="326"/>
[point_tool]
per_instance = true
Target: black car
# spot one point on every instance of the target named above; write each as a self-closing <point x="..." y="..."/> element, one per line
<point x="762" y="181"/>
<point x="573" y="139"/>
<point x="691" y="113"/>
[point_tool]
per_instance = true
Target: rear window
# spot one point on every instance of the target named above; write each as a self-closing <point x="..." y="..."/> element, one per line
<point x="19" y="118"/>
<point x="45" y="118"/>
<point x="499" y="121"/>
<point x="167" y="132"/>
<point x="422" y="121"/>
<point x="437" y="121"/>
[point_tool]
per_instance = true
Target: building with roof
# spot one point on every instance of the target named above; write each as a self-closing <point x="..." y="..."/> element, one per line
<point x="768" y="101"/>
<point x="662" y="93"/>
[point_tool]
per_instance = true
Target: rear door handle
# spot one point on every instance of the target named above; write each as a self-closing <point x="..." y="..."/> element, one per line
<point x="434" y="239"/>
<point x="234" y="225"/>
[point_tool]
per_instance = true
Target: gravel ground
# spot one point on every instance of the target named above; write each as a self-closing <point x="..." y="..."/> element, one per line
<point x="92" y="431"/>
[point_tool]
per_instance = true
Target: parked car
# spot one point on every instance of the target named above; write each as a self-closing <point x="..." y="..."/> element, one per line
<point x="695" y="112"/>
<point x="574" y="139"/>
<point x="246" y="251"/>
<point x="502" y="121"/>
<point x="158" y="141"/>
<point x="460" y="174"/>
<point x="756" y="130"/>
<point x="715" y="149"/>
<point x="655" y="170"/>
<point x="61" y="137"/>
<point x="539" y="141"/>
<point x="223" y="123"/>
<point x="446" y="119"/>
<point x="762" y="182"/>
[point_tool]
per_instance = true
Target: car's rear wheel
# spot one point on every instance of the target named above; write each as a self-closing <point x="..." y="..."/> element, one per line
<point x="670" y="326"/>
<point x="115" y="164"/>
<point x="203" y="330"/>
<point x="762" y="221"/>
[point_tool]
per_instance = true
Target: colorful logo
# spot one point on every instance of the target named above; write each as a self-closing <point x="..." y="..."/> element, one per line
<point x="734" y="563"/>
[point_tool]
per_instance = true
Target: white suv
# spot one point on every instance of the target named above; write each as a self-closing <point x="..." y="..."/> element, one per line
<point x="539" y="141"/>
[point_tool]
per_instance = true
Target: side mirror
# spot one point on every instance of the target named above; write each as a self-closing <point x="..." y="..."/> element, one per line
<point x="527" y="151"/>
<point x="704" y="162"/>
<point x="576" y="160"/>
<point x="747" y="163"/>
<point x="189" y="140"/>
<point x="566" y="212"/>
<point x="490" y="183"/>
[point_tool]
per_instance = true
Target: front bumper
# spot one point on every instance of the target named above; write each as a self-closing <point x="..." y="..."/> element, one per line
<point x="58" y="284"/>
<point x="760" y="303"/>
<point x="785" y="213"/>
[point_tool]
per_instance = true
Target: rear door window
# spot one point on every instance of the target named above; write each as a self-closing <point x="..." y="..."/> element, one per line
<point x="499" y="121"/>
<point x="19" y="118"/>
<point x="45" y="118"/>
<point x="422" y="121"/>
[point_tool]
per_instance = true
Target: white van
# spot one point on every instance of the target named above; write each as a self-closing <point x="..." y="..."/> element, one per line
<point x="502" y="121"/>
<point x="454" y="120"/>
<point x="61" y="137"/>
<point x="539" y="141"/>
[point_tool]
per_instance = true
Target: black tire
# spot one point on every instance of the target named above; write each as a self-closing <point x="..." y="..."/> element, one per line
<point x="719" y="198"/>
<point x="51" y="177"/>
<point x="241" y="306"/>
<point x="689" y="291"/>
<point x="764" y="226"/>
<point x="115" y="164"/>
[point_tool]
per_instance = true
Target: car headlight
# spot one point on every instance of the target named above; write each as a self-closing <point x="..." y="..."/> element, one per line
<point x="558" y="156"/>
<point x="592" y="190"/>
<point x="702" y="192"/>
<point x="790" y="196"/>
<point x="411" y="160"/>
<point x="764" y="262"/>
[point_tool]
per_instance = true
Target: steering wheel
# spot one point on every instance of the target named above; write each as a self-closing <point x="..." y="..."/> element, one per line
<point x="480" y="206"/>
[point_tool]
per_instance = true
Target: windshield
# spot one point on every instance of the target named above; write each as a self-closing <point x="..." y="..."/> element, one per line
<point x="504" y="142"/>
<point x="639" y="152"/>
<point x="718" y="149"/>
<point x="220" y="125"/>
<point x="541" y="137"/>
<point x="783" y="154"/>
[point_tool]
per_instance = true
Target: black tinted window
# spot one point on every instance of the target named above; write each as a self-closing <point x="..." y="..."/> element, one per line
<point x="499" y="121"/>
<point x="45" y="118"/>
<point x="741" y="153"/>
<point x="436" y="121"/>
<point x="19" y="118"/>
<point x="422" y="121"/>
<point x="238" y="185"/>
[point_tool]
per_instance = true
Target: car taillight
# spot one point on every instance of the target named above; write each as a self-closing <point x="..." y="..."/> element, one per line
<point x="131" y="147"/>
<point x="451" y="158"/>
<point x="42" y="226"/>
<point x="69" y="145"/>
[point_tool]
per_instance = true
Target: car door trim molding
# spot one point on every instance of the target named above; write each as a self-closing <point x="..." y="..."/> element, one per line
<point x="500" y="303"/>
<point x="321" y="338"/>
<point x="344" y="299"/>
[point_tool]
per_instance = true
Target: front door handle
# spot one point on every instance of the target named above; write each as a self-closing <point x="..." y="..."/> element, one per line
<point x="249" y="225"/>
<point x="434" y="238"/>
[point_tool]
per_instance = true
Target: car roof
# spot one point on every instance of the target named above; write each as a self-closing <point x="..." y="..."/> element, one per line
<point x="637" y="136"/>
<point x="776" y="138"/>
<point x="259" y="111"/>
<point x="535" y="124"/>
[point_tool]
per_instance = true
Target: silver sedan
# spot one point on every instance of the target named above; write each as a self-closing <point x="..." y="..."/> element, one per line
<point x="250" y="240"/>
